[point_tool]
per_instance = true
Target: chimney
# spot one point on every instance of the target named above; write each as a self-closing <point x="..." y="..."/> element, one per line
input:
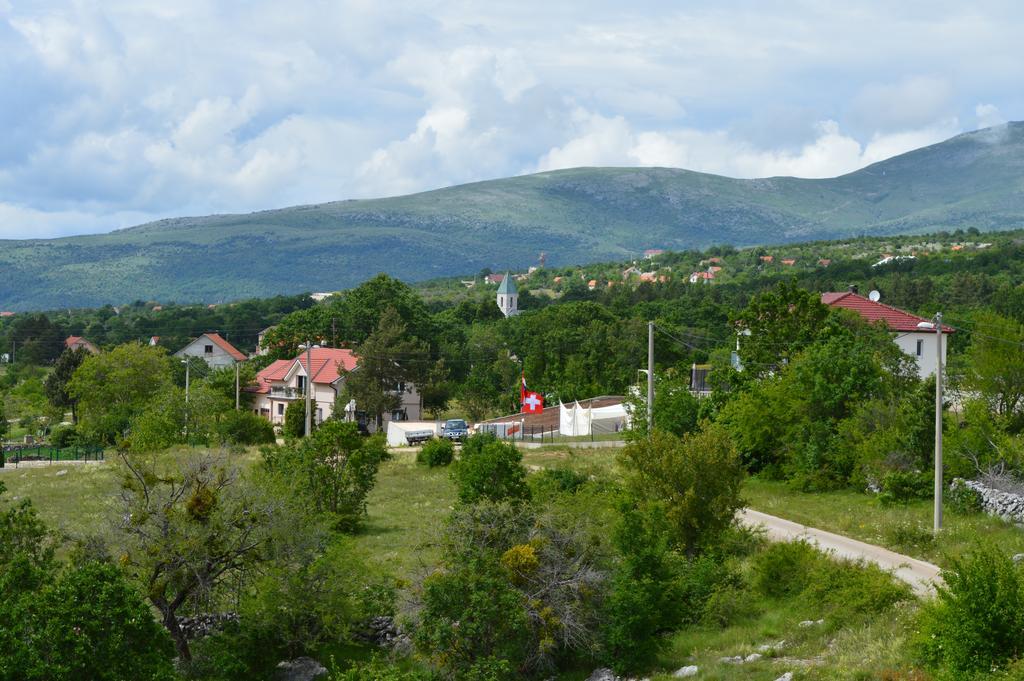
<point x="853" y="288"/>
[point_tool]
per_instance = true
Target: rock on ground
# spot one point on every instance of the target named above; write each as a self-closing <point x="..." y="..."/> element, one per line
<point x="603" y="674"/>
<point x="788" y="676"/>
<point x="689" y="670"/>
<point x="300" y="669"/>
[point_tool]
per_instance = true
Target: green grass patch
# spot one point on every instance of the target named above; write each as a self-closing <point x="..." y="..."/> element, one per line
<point x="903" y="528"/>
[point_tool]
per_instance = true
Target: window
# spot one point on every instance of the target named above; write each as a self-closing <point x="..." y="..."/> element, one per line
<point x="301" y="387"/>
<point x="399" y="415"/>
<point x="920" y="347"/>
<point x="280" y="409"/>
<point x="208" y="349"/>
<point x="319" y="415"/>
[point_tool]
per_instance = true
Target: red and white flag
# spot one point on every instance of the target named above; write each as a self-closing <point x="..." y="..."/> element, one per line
<point x="533" y="403"/>
<point x="522" y="388"/>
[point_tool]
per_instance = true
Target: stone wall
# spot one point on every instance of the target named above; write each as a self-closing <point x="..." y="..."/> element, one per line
<point x="1006" y="505"/>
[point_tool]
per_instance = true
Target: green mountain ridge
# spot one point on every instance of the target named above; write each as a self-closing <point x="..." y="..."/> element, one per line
<point x="575" y="216"/>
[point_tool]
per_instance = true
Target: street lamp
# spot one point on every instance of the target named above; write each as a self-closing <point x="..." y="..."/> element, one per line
<point x="937" y="325"/>
<point x="308" y="347"/>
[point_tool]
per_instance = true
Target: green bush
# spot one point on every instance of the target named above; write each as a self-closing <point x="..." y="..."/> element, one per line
<point x="64" y="436"/>
<point x="901" y="487"/>
<point x="784" y="569"/>
<point x="490" y="470"/>
<point x="976" y="622"/>
<point x="644" y="594"/>
<point x="797" y="569"/>
<point x="962" y="499"/>
<point x="551" y="482"/>
<point x="378" y="669"/>
<point x="245" y="428"/>
<point x="436" y="452"/>
<point x="295" y="420"/>
<point x="726" y="606"/>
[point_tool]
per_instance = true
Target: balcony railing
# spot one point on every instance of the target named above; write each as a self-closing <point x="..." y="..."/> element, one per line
<point x="286" y="393"/>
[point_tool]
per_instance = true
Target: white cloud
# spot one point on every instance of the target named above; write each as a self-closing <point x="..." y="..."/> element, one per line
<point x="146" y="108"/>
<point x="988" y="115"/>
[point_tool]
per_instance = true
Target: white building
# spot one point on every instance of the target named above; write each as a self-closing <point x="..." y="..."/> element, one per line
<point x="508" y="297"/>
<point x="284" y="382"/>
<point x="917" y="342"/>
<point x="212" y="349"/>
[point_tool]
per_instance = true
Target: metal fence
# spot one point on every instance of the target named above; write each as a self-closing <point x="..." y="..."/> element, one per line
<point x="15" y="454"/>
<point x="521" y="432"/>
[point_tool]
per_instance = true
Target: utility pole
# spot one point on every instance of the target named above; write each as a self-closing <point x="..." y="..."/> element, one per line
<point x="938" y="422"/>
<point x="188" y="364"/>
<point x="309" y="387"/>
<point x="650" y="377"/>
<point x="238" y="397"/>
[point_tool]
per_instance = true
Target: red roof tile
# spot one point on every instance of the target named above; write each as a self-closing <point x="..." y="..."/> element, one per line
<point x="894" y="318"/>
<point x="327" y="365"/>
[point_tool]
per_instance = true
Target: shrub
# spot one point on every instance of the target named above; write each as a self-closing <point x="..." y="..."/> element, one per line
<point x="378" y="669"/>
<point x="901" y="487"/>
<point x="784" y="569"/>
<point x="797" y="569"/>
<point x="962" y="499"/>
<point x="437" y="452"/>
<point x="695" y="478"/>
<point x="295" y="420"/>
<point x="490" y="470"/>
<point x="64" y="436"/>
<point x="727" y="605"/>
<point x="643" y="597"/>
<point x="550" y="482"/>
<point x="245" y="428"/>
<point x="976" y="622"/>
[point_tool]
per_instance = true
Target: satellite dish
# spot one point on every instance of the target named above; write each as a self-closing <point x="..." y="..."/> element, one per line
<point x="874" y="296"/>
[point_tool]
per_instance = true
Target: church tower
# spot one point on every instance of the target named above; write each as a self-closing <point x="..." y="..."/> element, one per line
<point x="508" y="297"/>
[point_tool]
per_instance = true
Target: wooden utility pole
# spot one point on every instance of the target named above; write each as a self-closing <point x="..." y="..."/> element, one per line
<point x="238" y="396"/>
<point x="938" y="421"/>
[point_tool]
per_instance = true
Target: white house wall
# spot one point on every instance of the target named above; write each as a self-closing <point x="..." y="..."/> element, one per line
<point x="197" y="348"/>
<point x="907" y="342"/>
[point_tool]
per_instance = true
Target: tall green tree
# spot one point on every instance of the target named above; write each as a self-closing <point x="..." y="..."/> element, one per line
<point x="389" y="360"/>
<point x="112" y="387"/>
<point x="995" y="363"/>
<point x="56" y="384"/>
<point x="776" y="325"/>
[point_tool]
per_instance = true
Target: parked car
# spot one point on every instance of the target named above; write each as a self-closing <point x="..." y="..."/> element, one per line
<point x="455" y="430"/>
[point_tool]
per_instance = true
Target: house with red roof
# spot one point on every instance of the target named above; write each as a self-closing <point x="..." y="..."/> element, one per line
<point x="79" y="343"/>
<point x="918" y="342"/>
<point x="284" y="382"/>
<point x="213" y="349"/>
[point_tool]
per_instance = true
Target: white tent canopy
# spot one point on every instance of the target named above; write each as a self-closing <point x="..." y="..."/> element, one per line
<point x="575" y="420"/>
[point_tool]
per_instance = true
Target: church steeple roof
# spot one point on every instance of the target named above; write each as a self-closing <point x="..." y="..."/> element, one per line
<point x="508" y="286"/>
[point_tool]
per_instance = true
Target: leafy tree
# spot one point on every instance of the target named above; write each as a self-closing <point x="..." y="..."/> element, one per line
<point x="695" y="480"/>
<point x="4" y="426"/>
<point x="82" y="622"/>
<point x="295" y="419"/>
<point x="995" y="364"/>
<point x="490" y="470"/>
<point x="643" y="598"/>
<point x="245" y="428"/>
<point x="110" y="388"/>
<point x="336" y="467"/>
<point x="388" y="360"/>
<point x="776" y="325"/>
<point x="56" y="384"/>
<point x="188" y="529"/>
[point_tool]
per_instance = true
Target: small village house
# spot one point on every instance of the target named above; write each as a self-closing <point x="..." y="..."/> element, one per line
<point x="917" y="342"/>
<point x="212" y="349"/>
<point x="284" y="382"/>
<point x="79" y="343"/>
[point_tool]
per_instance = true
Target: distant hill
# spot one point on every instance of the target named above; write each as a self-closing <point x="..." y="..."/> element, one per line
<point x="575" y="216"/>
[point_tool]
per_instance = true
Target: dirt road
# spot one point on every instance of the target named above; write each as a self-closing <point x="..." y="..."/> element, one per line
<point x="920" y="575"/>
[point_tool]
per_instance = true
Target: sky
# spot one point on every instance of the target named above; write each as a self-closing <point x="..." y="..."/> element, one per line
<point x="118" y="112"/>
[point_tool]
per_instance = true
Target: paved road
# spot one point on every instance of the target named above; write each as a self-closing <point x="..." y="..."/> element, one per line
<point x="920" y="575"/>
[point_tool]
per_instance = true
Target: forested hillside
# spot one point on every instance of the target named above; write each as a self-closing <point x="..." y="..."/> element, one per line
<point x="574" y="216"/>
